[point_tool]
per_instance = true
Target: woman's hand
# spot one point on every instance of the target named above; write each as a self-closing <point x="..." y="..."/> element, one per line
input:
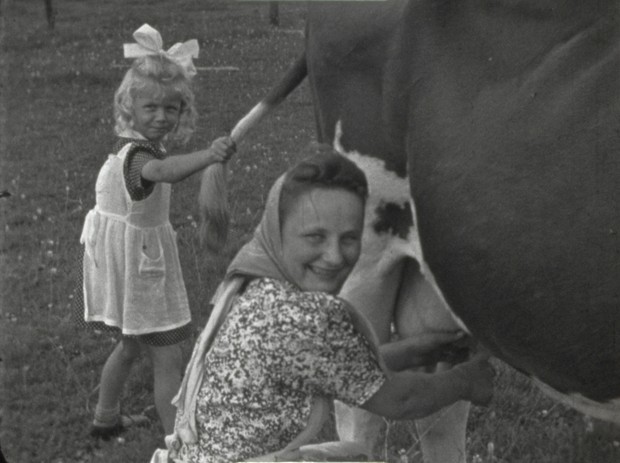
<point x="479" y="374"/>
<point x="425" y="350"/>
<point x="410" y="394"/>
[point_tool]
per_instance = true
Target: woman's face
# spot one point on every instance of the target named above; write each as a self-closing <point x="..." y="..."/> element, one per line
<point x="321" y="238"/>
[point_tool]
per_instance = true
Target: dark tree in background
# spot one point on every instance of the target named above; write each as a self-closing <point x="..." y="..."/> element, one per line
<point x="50" y="14"/>
<point x="274" y="14"/>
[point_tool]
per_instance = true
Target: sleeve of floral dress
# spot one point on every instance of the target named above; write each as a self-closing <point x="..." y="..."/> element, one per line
<point x="324" y="354"/>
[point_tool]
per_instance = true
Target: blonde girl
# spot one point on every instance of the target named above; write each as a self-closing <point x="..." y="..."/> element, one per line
<point x="132" y="280"/>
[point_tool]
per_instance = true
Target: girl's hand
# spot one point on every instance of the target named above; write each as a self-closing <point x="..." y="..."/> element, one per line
<point x="221" y="150"/>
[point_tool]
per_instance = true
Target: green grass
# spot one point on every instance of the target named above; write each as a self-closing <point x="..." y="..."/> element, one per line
<point x="56" y="131"/>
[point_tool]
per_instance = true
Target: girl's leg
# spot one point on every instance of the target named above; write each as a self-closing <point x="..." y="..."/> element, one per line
<point x="167" y="373"/>
<point x="113" y="377"/>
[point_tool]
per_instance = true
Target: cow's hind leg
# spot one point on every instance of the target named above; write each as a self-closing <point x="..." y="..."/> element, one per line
<point x="374" y="295"/>
<point x="357" y="425"/>
<point x="415" y="308"/>
<point x="442" y="435"/>
<point x="420" y="310"/>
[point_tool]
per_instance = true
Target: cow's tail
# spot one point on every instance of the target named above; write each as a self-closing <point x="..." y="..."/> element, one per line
<point x="213" y="195"/>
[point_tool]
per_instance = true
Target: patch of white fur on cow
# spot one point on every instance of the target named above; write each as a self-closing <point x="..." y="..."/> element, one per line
<point x="609" y="411"/>
<point x="384" y="187"/>
<point x="383" y="251"/>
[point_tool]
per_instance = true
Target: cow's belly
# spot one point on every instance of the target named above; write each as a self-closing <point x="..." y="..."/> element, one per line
<point x="393" y="286"/>
<point x="515" y="174"/>
<point x="607" y="411"/>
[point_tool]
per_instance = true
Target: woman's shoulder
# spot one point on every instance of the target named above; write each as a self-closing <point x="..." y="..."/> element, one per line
<point x="130" y="142"/>
<point x="286" y="302"/>
<point x="288" y="292"/>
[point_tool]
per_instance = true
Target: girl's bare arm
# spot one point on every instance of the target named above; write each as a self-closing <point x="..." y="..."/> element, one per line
<point x="176" y="168"/>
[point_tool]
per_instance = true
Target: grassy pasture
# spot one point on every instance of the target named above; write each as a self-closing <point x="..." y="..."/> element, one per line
<point x="56" y="129"/>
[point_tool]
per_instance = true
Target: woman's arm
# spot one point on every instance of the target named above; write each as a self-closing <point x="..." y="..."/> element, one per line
<point x="411" y="395"/>
<point x="176" y="168"/>
<point x="422" y="350"/>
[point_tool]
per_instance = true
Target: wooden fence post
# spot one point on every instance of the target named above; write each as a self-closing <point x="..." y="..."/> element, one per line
<point x="50" y="14"/>
<point x="274" y="13"/>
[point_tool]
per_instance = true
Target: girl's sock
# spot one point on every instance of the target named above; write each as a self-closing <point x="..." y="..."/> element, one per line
<point x="107" y="417"/>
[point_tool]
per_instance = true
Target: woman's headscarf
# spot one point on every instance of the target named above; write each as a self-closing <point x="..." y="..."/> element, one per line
<point x="260" y="257"/>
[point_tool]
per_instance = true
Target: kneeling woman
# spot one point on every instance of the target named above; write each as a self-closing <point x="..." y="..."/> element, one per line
<point x="279" y="336"/>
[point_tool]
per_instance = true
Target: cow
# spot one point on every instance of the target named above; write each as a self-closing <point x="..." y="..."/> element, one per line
<point x="490" y="133"/>
<point x="500" y="120"/>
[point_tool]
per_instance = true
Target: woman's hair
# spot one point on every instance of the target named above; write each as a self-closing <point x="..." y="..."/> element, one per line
<point x="156" y="75"/>
<point x="323" y="169"/>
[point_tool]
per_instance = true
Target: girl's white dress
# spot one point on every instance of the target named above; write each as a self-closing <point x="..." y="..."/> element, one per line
<point x="132" y="272"/>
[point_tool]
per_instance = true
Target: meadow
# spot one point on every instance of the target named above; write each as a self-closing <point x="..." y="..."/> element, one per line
<point x="55" y="132"/>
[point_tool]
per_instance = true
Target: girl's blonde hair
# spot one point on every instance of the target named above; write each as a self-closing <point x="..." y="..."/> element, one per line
<point x="156" y="75"/>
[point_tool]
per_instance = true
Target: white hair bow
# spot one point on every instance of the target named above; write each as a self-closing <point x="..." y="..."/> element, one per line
<point x="149" y="43"/>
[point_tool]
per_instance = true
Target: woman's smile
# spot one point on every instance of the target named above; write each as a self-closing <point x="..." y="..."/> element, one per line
<point x="324" y="271"/>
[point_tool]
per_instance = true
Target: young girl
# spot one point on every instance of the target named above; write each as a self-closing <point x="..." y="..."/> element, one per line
<point x="132" y="280"/>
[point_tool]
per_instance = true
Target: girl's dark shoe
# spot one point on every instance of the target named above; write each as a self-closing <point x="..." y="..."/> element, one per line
<point x="124" y="422"/>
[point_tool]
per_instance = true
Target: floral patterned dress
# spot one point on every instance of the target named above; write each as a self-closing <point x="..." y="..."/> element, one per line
<point x="277" y="348"/>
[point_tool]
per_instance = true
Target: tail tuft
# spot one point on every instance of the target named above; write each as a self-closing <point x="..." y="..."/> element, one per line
<point x="213" y="208"/>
